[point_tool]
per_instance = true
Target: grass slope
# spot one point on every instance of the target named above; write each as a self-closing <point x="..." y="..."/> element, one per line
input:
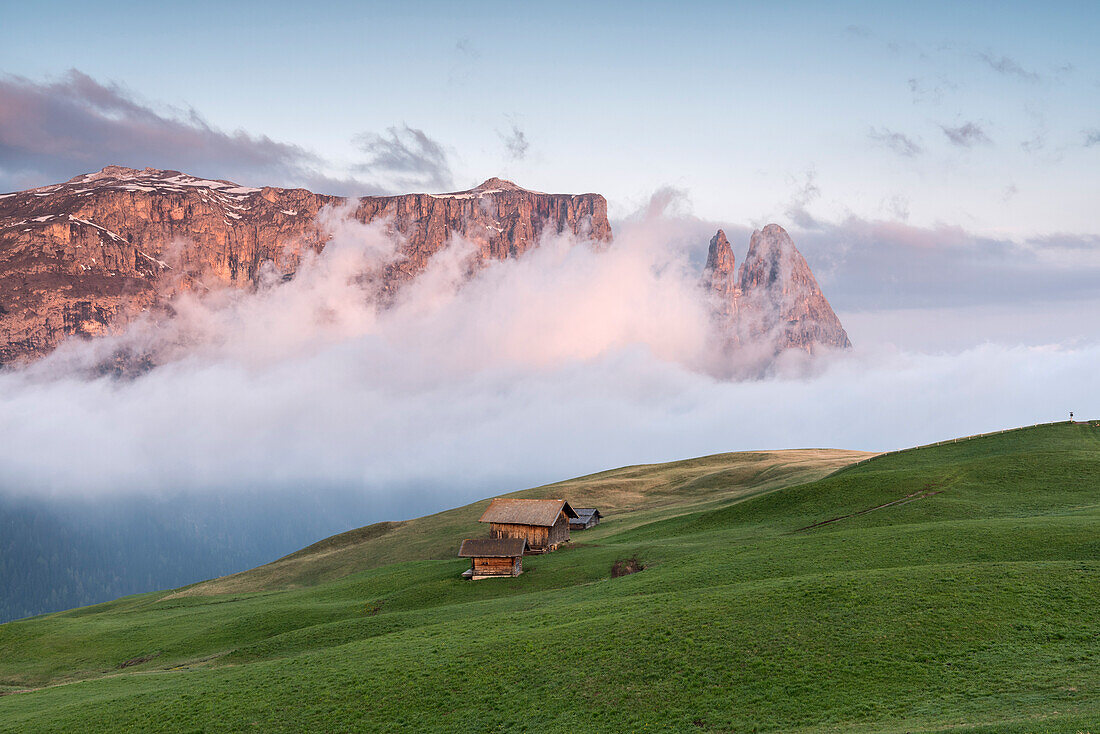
<point x="956" y="588"/>
<point x="631" y="495"/>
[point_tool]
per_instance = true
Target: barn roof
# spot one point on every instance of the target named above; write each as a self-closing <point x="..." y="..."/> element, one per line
<point x="586" y="512"/>
<point x="526" y="512"/>
<point x="492" y="548"/>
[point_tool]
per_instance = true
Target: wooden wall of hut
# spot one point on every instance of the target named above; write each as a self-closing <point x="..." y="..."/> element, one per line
<point x="535" y="535"/>
<point x="539" y="538"/>
<point x="560" y="532"/>
<point x="498" y="566"/>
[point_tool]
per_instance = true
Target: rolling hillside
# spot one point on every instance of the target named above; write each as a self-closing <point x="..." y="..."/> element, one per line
<point x="949" y="588"/>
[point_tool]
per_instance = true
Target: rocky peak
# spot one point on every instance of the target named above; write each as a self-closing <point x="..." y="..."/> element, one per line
<point x="495" y="184"/>
<point x="108" y="172"/>
<point x="720" y="277"/>
<point x="720" y="258"/>
<point x="781" y="299"/>
<point x="773" y="264"/>
<point x="773" y="299"/>
<point x="491" y="186"/>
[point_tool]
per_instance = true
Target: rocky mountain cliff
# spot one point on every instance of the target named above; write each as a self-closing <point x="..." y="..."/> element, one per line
<point x="86" y="256"/>
<point x="773" y="299"/>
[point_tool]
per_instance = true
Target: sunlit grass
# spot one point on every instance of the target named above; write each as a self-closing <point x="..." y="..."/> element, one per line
<point x="976" y="608"/>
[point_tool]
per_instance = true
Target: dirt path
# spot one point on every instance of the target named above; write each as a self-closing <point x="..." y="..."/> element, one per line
<point x="912" y="497"/>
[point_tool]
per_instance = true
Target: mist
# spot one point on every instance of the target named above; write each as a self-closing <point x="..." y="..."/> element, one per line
<point x="278" y="416"/>
<point x="573" y="359"/>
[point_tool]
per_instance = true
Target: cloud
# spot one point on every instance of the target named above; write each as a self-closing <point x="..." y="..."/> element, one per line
<point x="571" y="359"/>
<point x="447" y="340"/>
<point x="464" y="58"/>
<point x="966" y="136"/>
<point x="515" y="143"/>
<point x="407" y="157"/>
<point x="898" y="206"/>
<point x="1092" y="137"/>
<point x="901" y="144"/>
<point x="806" y="194"/>
<point x="922" y="91"/>
<point x="465" y="47"/>
<point x="52" y="131"/>
<point x="1008" y="67"/>
<point x="879" y="266"/>
<point x="1034" y="144"/>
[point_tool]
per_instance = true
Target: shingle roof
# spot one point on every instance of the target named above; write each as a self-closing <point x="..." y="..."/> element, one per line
<point x="586" y="512"/>
<point x="492" y="548"/>
<point x="526" y="512"/>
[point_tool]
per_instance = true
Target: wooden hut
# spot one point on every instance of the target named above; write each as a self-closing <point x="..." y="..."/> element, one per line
<point x="492" y="557"/>
<point x="544" y="524"/>
<point x="587" y="517"/>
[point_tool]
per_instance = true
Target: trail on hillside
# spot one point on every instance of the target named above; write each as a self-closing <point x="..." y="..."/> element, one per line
<point x="911" y="497"/>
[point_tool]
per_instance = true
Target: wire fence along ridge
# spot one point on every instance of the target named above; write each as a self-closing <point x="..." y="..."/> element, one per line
<point x="1095" y="424"/>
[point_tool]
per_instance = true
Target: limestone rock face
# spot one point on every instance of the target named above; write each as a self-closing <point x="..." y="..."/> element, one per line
<point x="775" y="299"/>
<point x="500" y="218"/>
<point x="720" y="279"/>
<point x="84" y="257"/>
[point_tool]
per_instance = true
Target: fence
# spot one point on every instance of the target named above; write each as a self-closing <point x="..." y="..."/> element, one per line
<point x="968" y="438"/>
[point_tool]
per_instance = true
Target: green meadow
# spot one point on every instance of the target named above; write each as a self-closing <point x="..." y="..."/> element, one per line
<point x="953" y="588"/>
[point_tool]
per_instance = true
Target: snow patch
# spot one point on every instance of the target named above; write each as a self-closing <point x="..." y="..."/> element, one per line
<point x="113" y="235"/>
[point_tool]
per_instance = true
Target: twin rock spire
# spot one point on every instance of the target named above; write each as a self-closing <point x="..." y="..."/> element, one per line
<point x="773" y="298"/>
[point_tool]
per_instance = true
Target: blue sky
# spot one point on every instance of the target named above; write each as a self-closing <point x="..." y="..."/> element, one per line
<point x="744" y="106"/>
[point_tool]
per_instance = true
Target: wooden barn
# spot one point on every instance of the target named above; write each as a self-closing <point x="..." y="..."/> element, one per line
<point x="492" y="557"/>
<point x="587" y="517"/>
<point x="544" y="524"/>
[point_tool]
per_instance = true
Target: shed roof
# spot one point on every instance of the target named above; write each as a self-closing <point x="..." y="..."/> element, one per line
<point x="586" y="512"/>
<point x="492" y="548"/>
<point x="526" y="512"/>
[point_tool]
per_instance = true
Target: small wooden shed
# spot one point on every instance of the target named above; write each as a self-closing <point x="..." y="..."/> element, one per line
<point x="492" y="557"/>
<point x="544" y="524"/>
<point x="587" y="517"/>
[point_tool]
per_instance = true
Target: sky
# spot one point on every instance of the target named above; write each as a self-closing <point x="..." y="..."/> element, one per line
<point x="980" y="115"/>
<point x="936" y="163"/>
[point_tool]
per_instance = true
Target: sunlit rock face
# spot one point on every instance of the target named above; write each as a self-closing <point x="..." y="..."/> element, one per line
<point x="720" y="278"/>
<point x="84" y="257"/>
<point x="774" y="302"/>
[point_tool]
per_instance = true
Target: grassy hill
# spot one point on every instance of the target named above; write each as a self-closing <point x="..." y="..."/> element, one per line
<point x="950" y="588"/>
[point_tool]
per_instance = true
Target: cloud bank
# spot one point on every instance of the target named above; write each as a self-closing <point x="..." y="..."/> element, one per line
<point x="408" y="157"/>
<point x="569" y="360"/>
<point x="51" y="131"/>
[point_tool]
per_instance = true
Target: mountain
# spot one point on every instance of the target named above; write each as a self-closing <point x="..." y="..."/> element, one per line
<point x="946" y="588"/>
<point x="774" y="298"/>
<point x="720" y="279"/>
<point x="84" y="257"/>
